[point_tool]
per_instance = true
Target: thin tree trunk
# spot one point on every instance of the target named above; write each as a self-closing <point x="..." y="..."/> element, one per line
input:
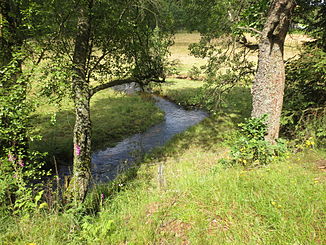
<point x="78" y="185"/>
<point x="268" y="87"/>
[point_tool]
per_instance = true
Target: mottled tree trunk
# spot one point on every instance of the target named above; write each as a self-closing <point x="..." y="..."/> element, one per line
<point x="268" y="87"/>
<point x="78" y="186"/>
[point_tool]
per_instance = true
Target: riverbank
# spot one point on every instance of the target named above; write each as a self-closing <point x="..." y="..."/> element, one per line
<point x="180" y="194"/>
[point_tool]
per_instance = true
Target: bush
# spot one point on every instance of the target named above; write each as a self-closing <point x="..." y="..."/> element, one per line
<point x="250" y="147"/>
<point x="304" y="113"/>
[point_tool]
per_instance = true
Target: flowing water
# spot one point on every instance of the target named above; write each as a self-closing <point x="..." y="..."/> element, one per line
<point x="108" y="163"/>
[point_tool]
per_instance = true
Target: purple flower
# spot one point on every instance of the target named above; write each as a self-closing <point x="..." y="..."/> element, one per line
<point x="11" y="157"/>
<point x="77" y="149"/>
<point x="21" y="163"/>
<point x="102" y="196"/>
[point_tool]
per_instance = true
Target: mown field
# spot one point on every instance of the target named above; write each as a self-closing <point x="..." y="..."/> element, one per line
<point x="181" y="53"/>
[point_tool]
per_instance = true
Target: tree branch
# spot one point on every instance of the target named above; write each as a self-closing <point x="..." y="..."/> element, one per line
<point x="120" y="82"/>
<point x="247" y="28"/>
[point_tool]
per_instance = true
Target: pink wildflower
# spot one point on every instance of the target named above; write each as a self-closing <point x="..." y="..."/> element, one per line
<point x="21" y="163"/>
<point x="11" y="157"/>
<point x="102" y="196"/>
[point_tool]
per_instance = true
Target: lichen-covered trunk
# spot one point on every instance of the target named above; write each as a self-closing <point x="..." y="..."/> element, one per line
<point x="78" y="185"/>
<point x="79" y="182"/>
<point x="268" y="87"/>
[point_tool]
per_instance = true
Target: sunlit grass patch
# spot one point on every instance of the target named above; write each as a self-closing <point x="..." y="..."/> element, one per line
<point x="277" y="204"/>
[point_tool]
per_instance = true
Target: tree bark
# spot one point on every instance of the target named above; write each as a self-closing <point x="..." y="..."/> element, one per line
<point x="78" y="186"/>
<point x="268" y="87"/>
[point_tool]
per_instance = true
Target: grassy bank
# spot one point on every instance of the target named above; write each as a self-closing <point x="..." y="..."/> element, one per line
<point x="114" y="117"/>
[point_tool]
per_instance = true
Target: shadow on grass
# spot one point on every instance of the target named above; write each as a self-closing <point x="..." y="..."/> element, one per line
<point x="209" y="134"/>
<point x="116" y="118"/>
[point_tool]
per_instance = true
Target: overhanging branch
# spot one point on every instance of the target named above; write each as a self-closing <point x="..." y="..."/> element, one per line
<point x="120" y="82"/>
<point x="247" y="28"/>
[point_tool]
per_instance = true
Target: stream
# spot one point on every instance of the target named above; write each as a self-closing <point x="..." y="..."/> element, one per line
<point x="108" y="163"/>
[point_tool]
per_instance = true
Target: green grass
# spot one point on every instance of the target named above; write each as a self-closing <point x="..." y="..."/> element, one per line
<point x="114" y="116"/>
<point x="194" y="201"/>
<point x="236" y="104"/>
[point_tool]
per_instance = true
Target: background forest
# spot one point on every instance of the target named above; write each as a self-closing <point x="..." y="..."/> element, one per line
<point x="252" y="172"/>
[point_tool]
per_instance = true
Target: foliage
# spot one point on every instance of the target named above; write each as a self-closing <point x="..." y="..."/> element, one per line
<point x="251" y="149"/>
<point x="20" y="168"/>
<point x="194" y="73"/>
<point x="222" y="24"/>
<point x="304" y="112"/>
<point x="310" y="14"/>
<point x="224" y="70"/>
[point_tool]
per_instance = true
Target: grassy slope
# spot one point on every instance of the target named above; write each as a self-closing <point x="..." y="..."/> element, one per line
<point x="194" y="200"/>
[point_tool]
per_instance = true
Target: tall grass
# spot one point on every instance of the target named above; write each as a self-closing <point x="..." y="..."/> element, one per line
<point x="180" y="194"/>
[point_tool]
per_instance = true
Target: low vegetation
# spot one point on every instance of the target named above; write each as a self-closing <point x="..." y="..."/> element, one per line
<point x="212" y="184"/>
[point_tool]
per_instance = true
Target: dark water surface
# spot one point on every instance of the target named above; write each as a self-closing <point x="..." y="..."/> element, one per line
<point x="107" y="164"/>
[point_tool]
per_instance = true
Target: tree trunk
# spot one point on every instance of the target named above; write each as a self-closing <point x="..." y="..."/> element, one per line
<point x="78" y="186"/>
<point x="268" y="87"/>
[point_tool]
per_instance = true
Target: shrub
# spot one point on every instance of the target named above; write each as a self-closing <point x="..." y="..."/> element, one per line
<point x="250" y="147"/>
<point x="304" y="113"/>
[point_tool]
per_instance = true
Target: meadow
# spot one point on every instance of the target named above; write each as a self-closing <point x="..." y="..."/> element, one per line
<point x="185" y="61"/>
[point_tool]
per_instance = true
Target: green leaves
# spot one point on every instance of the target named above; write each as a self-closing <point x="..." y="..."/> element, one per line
<point x="250" y="147"/>
<point x="305" y="96"/>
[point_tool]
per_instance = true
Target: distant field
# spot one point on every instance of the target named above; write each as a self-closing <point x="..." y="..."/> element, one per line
<point x="180" y="51"/>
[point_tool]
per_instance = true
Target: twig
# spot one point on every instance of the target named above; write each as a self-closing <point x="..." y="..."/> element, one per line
<point x="247" y="28"/>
